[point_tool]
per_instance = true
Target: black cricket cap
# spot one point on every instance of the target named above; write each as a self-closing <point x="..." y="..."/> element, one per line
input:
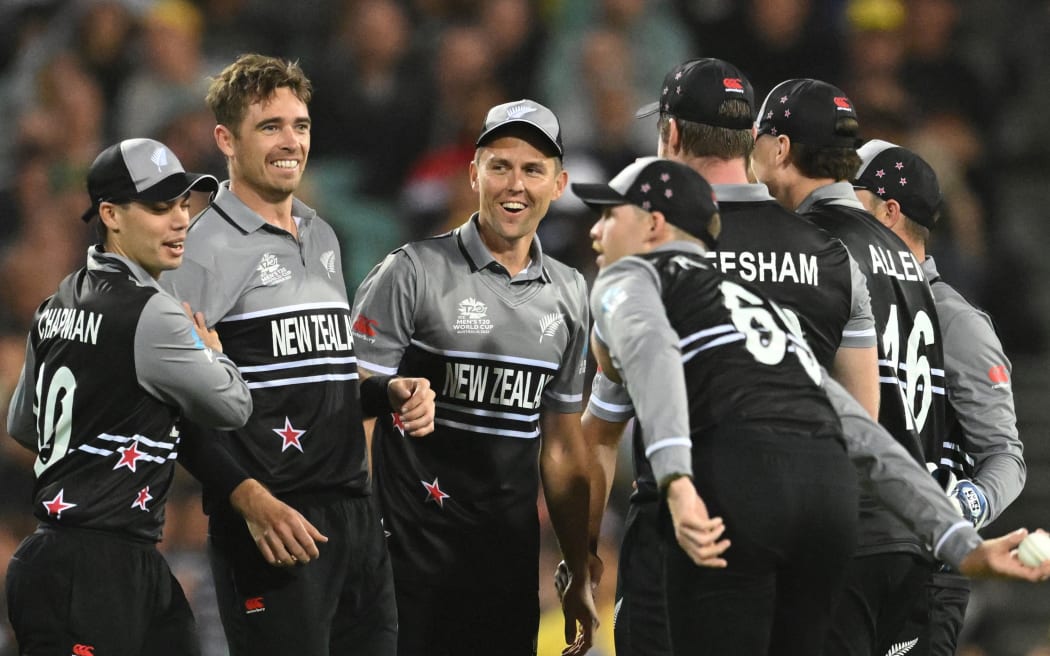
<point x="654" y="184"/>
<point x="695" y="89"/>
<point x="523" y="112"/>
<point x="892" y="172"/>
<point x="142" y="170"/>
<point x="807" y="110"/>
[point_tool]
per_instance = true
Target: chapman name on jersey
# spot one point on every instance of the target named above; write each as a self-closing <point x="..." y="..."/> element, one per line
<point x="902" y="265"/>
<point x="311" y="333"/>
<point x="481" y="383"/>
<point x="70" y="323"/>
<point x="800" y="268"/>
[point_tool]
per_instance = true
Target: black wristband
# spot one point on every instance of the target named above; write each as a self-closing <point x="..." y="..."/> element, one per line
<point x="375" y="399"/>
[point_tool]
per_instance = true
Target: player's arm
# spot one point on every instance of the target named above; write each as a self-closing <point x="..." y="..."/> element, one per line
<point x="856" y="363"/>
<point x="907" y="489"/>
<point x="608" y="411"/>
<point x="977" y="375"/>
<point x="21" y="421"/>
<point x="643" y="347"/>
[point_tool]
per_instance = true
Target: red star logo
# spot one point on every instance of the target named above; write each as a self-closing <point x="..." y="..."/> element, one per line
<point x="899" y="165"/>
<point x="58" y="504"/>
<point x="435" y="493"/>
<point x="398" y="424"/>
<point x="787" y="113"/>
<point x="290" y="435"/>
<point x="129" y="456"/>
<point x="904" y="181"/>
<point x="142" y="498"/>
<point x="881" y="191"/>
<point x="880" y="173"/>
<point x="783" y="99"/>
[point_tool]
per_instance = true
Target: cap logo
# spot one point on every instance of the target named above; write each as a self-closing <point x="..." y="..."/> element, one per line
<point x="842" y="104"/>
<point x="159" y="158"/>
<point x="733" y="84"/>
<point x="517" y="111"/>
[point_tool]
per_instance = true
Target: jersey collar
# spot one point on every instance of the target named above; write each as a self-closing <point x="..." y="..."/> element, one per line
<point x="836" y="193"/>
<point x="480" y="257"/>
<point x="246" y="219"/>
<point x="742" y="193"/>
<point x="100" y="260"/>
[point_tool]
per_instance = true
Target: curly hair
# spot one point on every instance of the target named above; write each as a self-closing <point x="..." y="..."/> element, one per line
<point x="250" y="79"/>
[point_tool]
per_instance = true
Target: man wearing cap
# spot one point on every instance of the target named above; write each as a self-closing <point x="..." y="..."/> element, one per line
<point x="706" y="114"/>
<point x="981" y="447"/>
<point x="805" y="153"/>
<point x="500" y="330"/>
<point x="264" y="269"/>
<point x="728" y="393"/>
<point x="112" y="361"/>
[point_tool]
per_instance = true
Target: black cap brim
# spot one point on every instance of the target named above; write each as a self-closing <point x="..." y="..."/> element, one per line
<point x="648" y="110"/>
<point x="597" y="195"/>
<point x="172" y="187"/>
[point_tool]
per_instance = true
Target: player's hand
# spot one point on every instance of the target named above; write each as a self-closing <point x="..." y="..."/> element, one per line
<point x="209" y="337"/>
<point x="561" y="574"/>
<point x="284" y="537"/>
<point x="696" y="533"/>
<point x="973" y="505"/>
<point x="997" y="558"/>
<point x="581" y="618"/>
<point x="413" y="399"/>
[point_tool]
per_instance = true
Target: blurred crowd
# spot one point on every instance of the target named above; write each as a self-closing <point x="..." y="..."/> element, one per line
<point x="400" y="91"/>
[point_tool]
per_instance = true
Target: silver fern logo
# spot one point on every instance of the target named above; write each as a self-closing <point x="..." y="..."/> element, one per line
<point x="328" y="262"/>
<point x="517" y="111"/>
<point x="159" y="158"/>
<point x="902" y="648"/>
<point x="550" y="323"/>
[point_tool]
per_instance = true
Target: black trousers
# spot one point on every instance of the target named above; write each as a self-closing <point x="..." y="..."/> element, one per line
<point x="640" y="619"/>
<point x="340" y="604"/>
<point x="790" y="507"/>
<point x="880" y="591"/>
<point x="75" y="591"/>
<point x="936" y="617"/>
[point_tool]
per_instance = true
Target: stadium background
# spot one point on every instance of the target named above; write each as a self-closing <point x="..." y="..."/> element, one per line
<point x="401" y="87"/>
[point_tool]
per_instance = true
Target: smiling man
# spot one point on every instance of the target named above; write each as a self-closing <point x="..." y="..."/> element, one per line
<point x="500" y="330"/>
<point x="264" y="269"/>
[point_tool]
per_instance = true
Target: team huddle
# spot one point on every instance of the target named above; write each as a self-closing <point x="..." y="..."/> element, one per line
<point x="816" y="431"/>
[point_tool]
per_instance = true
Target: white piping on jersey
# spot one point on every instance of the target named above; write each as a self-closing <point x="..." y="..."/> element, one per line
<point x="666" y="443"/>
<point x="617" y="408"/>
<point x="488" y="430"/>
<point x="707" y="332"/>
<point x="298" y="363"/>
<point x="327" y="305"/>
<point x="487" y="356"/>
<point x="721" y="341"/>
<point x="489" y="413"/>
<point x="281" y="382"/>
<point x="958" y="449"/>
<point x="141" y="439"/>
<point x="377" y="368"/>
<point x="564" y="398"/>
<point x="869" y="332"/>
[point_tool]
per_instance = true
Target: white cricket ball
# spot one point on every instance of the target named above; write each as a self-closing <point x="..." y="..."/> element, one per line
<point x="1034" y="549"/>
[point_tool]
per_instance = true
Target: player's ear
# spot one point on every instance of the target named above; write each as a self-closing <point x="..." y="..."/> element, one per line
<point x="893" y="213"/>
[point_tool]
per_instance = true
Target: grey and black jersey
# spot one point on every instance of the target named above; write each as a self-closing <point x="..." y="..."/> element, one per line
<point x="806" y="271"/>
<point x="498" y="352"/>
<point x="743" y="364"/>
<point x="911" y="359"/>
<point x="982" y="442"/>
<point x="280" y="307"/>
<point x="111" y="362"/>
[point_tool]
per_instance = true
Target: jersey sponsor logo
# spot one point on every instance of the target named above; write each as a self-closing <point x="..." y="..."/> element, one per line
<point x="1000" y="376"/>
<point x="473" y="318"/>
<point x="58" y="504"/>
<point x="612" y="299"/>
<point x="290" y="436"/>
<point x="310" y="333"/>
<point x="271" y="271"/>
<point x="798" y="268"/>
<point x="83" y="650"/>
<point x="142" y="499"/>
<point x="254" y="605"/>
<point x="328" y="262"/>
<point x="733" y="85"/>
<point x="550" y="323"/>
<point x="365" y="327"/>
<point x="70" y="323"/>
<point x="842" y="104"/>
<point x="901" y="265"/>
<point x="435" y="493"/>
<point x="482" y="383"/>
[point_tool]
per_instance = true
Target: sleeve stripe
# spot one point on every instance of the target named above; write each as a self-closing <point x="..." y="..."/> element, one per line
<point x="665" y="443"/>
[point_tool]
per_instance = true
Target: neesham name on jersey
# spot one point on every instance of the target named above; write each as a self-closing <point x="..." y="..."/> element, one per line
<point x="509" y="387"/>
<point x="71" y="324"/>
<point x="885" y="261"/>
<point x="311" y="333"/>
<point x="798" y="268"/>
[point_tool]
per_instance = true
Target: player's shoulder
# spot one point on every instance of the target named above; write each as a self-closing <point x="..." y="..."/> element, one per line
<point x="954" y="309"/>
